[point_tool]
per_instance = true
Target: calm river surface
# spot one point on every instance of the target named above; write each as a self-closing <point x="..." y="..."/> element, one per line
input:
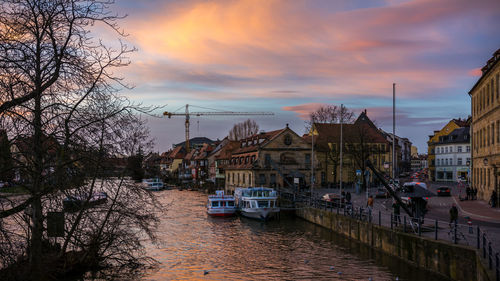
<point x="195" y="246"/>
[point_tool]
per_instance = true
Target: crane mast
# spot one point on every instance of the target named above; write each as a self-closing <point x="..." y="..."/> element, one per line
<point x="187" y="115"/>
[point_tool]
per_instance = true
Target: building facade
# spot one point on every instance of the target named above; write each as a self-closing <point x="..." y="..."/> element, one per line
<point x="361" y="141"/>
<point x="419" y="162"/>
<point x="277" y="159"/>
<point x="485" y="108"/>
<point x="434" y="140"/>
<point x="453" y="156"/>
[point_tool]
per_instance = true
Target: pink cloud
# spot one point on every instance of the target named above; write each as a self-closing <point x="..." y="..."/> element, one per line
<point x="475" y="72"/>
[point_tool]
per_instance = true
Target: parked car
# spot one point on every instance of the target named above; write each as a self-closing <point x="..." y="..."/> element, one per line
<point x="331" y="197"/>
<point x="443" y="191"/>
<point x="381" y="192"/>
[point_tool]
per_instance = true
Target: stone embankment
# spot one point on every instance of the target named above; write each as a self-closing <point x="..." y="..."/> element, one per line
<point x="456" y="262"/>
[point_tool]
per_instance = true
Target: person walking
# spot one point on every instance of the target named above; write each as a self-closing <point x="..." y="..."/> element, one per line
<point x="493" y="199"/>
<point x="453" y="214"/>
<point x="348" y="197"/>
<point x="397" y="211"/>
<point x="467" y="192"/>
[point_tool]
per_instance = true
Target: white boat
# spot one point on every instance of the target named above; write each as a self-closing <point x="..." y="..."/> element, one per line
<point x="257" y="202"/>
<point x="153" y="184"/>
<point x="220" y="205"/>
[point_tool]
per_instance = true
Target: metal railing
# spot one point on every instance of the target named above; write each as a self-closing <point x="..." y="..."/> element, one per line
<point x="463" y="234"/>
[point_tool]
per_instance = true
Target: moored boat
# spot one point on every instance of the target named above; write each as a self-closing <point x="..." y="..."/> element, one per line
<point x="257" y="202"/>
<point x="76" y="202"/>
<point x="220" y="205"/>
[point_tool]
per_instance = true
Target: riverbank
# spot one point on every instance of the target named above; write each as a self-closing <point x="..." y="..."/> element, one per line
<point x="456" y="262"/>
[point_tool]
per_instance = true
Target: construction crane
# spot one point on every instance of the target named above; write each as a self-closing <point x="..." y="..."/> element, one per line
<point x="187" y="115"/>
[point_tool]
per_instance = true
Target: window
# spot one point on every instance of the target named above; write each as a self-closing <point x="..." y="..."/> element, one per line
<point x="459" y="161"/>
<point x="267" y="159"/>
<point x="244" y="176"/>
<point x="215" y="203"/>
<point x="262" y="179"/>
<point x="459" y="148"/>
<point x="467" y="148"/>
<point x="308" y="159"/>
<point x="246" y="159"/>
<point x="493" y="133"/>
<point x="230" y="203"/>
<point x="438" y="162"/>
<point x="446" y="161"/>
<point x="446" y="150"/>
<point x="253" y="158"/>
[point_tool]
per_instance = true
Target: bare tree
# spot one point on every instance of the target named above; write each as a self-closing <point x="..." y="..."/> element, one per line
<point x="60" y="107"/>
<point x="363" y="142"/>
<point x="330" y="114"/>
<point x="243" y="130"/>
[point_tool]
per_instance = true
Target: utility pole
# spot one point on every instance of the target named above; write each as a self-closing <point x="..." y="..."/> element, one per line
<point x="393" y="131"/>
<point x="312" y="155"/>
<point x="341" y="145"/>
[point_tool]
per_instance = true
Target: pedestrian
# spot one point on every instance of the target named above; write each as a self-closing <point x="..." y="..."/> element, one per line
<point x="475" y="193"/>
<point x="397" y="211"/>
<point x="467" y="192"/>
<point x="453" y="214"/>
<point x="348" y="197"/>
<point x="369" y="203"/>
<point x="493" y="199"/>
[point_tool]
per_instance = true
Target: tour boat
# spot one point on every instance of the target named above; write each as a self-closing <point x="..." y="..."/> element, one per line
<point x="257" y="202"/>
<point x="153" y="184"/>
<point x="76" y="202"/>
<point x="220" y="205"/>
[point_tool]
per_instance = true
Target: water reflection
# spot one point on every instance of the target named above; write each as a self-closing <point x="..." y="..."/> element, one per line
<point x="196" y="246"/>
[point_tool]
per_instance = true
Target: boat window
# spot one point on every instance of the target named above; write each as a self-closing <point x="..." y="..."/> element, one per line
<point x="215" y="203"/>
<point x="271" y="204"/>
<point x="230" y="203"/>
<point x="263" y="204"/>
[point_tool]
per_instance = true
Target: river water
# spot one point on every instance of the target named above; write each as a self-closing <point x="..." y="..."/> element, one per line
<point x="195" y="246"/>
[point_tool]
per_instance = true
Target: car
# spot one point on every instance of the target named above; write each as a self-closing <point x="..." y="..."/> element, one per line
<point x="331" y="197"/>
<point x="381" y="193"/>
<point x="443" y="191"/>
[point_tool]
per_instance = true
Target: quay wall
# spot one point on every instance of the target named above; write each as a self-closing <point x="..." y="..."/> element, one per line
<point x="456" y="262"/>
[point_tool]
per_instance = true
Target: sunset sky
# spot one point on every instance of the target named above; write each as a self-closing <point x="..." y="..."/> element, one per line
<point x="291" y="56"/>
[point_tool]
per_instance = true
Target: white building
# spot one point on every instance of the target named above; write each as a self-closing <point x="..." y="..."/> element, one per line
<point x="453" y="155"/>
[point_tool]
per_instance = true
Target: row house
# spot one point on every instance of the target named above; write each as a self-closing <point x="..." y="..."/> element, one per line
<point x="485" y="130"/>
<point x="277" y="159"/>
<point x="219" y="159"/>
<point x="171" y="160"/>
<point x="194" y="166"/>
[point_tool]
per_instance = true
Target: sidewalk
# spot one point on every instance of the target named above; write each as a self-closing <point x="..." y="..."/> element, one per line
<point x="478" y="210"/>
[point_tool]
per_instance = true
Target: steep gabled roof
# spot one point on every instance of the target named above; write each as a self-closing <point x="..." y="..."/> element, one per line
<point x="261" y="139"/>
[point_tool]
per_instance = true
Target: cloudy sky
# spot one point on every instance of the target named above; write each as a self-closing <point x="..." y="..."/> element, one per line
<point x="291" y="56"/>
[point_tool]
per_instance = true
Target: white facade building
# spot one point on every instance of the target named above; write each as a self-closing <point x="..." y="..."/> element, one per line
<point x="453" y="156"/>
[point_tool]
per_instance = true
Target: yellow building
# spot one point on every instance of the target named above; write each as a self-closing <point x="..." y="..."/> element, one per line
<point x="485" y="108"/>
<point x="434" y="140"/>
<point x="277" y="159"/>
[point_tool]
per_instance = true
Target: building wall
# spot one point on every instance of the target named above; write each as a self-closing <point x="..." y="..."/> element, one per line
<point x="485" y="107"/>
<point x="451" y="164"/>
<point x="290" y="159"/>
<point x="431" y="145"/>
